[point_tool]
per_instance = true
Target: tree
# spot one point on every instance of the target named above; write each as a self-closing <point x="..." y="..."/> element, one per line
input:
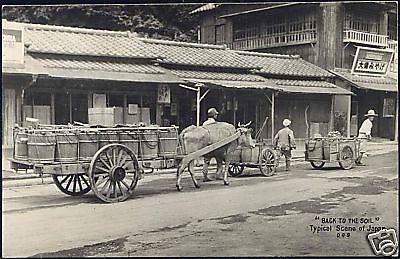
<point x="157" y="21"/>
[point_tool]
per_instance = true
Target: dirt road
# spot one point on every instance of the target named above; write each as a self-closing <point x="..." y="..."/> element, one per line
<point x="255" y="215"/>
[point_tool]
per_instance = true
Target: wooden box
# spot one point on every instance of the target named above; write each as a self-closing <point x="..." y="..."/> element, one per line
<point x="105" y="116"/>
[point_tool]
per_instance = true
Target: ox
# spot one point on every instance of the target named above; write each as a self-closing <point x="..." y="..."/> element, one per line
<point x="194" y="138"/>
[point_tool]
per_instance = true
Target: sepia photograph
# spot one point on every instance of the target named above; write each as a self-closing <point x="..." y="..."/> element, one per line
<point x="179" y="129"/>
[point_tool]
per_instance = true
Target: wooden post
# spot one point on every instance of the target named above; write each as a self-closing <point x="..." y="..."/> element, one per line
<point x="125" y="105"/>
<point x="70" y="107"/>
<point x="234" y="109"/>
<point x="348" y="116"/>
<point x="52" y="110"/>
<point x="198" y="107"/>
<point x="396" y="124"/>
<point x="272" y="115"/>
<point x="332" y="115"/>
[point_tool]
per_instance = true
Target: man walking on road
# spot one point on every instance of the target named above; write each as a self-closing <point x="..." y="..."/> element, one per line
<point x="364" y="134"/>
<point x="284" y="142"/>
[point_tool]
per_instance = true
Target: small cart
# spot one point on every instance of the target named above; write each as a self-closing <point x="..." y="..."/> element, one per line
<point x="262" y="156"/>
<point x="331" y="150"/>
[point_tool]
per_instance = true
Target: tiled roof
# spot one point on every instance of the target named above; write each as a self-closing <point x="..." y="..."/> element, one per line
<point x="284" y="65"/>
<point x="308" y="86"/>
<point x="383" y="83"/>
<point x="99" y="68"/>
<point x="192" y="54"/>
<point x="217" y="75"/>
<point x="78" y="41"/>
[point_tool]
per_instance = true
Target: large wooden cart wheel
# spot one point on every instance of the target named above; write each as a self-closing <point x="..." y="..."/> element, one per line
<point x="113" y="173"/>
<point x="72" y="184"/>
<point x="317" y="164"/>
<point x="268" y="162"/>
<point x="346" y="157"/>
<point x="235" y="170"/>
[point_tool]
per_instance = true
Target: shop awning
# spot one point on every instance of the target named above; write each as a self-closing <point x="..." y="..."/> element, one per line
<point x="251" y="81"/>
<point x="30" y="67"/>
<point x="383" y="83"/>
<point x="115" y="69"/>
<point x="309" y="87"/>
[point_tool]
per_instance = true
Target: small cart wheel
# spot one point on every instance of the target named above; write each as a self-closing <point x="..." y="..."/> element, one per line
<point x="346" y="157"/>
<point x="72" y="184"/>
<point x="235" y="170"/>
<point x="317" y="164"/>
<point x="113" y="173"/>
<point x="268" y="162"/>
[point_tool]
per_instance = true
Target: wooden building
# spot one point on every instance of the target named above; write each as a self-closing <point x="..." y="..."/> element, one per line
<point x="327" y="34"/>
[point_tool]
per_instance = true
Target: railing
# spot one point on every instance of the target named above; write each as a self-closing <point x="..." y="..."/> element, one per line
<point x="273" y="41"/>
<point x="392" y="44"/>
<point x="365" y="38"/>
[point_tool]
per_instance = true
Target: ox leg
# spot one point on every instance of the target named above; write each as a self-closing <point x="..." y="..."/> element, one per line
<point x="191" y="171"/>
<point x="219" y="168"/>
<point x="205" y="169"/>
<point x="227" y="162"/>
<point x="179" y="173"/>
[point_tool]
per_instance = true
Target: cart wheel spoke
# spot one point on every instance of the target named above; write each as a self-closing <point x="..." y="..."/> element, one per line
<point x="267" y="162"/>
<point x="67" y="188"/>
<point x="123" y="169"/>
<point x="104" y="163"/>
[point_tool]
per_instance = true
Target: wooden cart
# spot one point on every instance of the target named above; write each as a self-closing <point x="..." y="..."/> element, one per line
<point x="331" y="150"/>
<point x="108" y="161"/>
<point x="262" y="156"/>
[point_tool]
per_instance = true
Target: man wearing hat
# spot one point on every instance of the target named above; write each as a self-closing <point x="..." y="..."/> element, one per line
<point x="364" y="134"/>
<point x="284" y="142"/>
<point x="212" y="115"/>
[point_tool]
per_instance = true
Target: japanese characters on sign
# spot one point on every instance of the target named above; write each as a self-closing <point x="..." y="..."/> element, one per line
<point x="12" y="44"/>
<point x="371" y="61"/>
<point x="164" y="94"/>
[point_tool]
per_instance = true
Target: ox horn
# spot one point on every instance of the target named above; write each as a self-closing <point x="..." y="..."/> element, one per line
<point x="239" y="124"/>
<point x="247" y="124"/>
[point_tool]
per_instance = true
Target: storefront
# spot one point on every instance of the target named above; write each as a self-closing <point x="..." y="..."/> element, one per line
<point x="373" y="90"/>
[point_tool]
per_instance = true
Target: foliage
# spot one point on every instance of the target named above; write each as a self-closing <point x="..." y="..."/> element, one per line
<point x="157" y="21"/>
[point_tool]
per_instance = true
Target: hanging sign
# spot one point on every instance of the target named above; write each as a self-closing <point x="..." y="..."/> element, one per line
<point x="12" y="46"/>
<point x="371" y="61"/>
<point x="164" y="94"/>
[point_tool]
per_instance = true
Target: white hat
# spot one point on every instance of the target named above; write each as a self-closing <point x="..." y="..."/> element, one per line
<point x="286" y="122"/>
<point x="371" y="113"/>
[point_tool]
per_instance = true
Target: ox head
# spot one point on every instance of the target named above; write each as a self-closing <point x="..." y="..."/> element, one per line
<point x="245" y="139"/>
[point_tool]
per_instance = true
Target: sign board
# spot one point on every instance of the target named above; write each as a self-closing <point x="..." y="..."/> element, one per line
<point x="12" y="46"/>
<point x="371" y="61"/>
<point x="164" y="94"/>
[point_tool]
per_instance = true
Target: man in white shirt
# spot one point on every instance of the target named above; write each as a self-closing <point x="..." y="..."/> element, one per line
<point x="364" y="134"/>
<point x="212" y="114"/>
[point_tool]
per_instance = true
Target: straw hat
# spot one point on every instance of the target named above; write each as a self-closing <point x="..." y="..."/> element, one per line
<point x="371" y="113"/>
<point x="286" y="122"/>
<point x="212" y="112"/>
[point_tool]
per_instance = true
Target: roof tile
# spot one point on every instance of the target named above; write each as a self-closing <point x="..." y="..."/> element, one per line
<point x="192" y="54"/>
<point x="76" y="41"/>
<point x="284" y="65"/>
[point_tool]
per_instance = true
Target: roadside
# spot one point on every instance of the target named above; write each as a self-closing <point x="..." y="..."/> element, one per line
<point x="11" y="178"/>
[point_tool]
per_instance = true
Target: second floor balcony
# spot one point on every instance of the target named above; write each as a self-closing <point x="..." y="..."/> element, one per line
<point x="366" y="38"/>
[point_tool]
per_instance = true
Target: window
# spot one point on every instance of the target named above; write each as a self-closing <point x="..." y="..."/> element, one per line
<point x="277" y="29"/>
<point x="362" y="22"/>
<point x="389" y="107"/>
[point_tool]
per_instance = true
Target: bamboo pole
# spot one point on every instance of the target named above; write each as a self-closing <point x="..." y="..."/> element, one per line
<point x="272" y="115"/>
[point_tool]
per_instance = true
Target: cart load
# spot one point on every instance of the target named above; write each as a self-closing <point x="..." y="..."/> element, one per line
<point x="333" y="148"/>
<point x="108" y="161"/>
